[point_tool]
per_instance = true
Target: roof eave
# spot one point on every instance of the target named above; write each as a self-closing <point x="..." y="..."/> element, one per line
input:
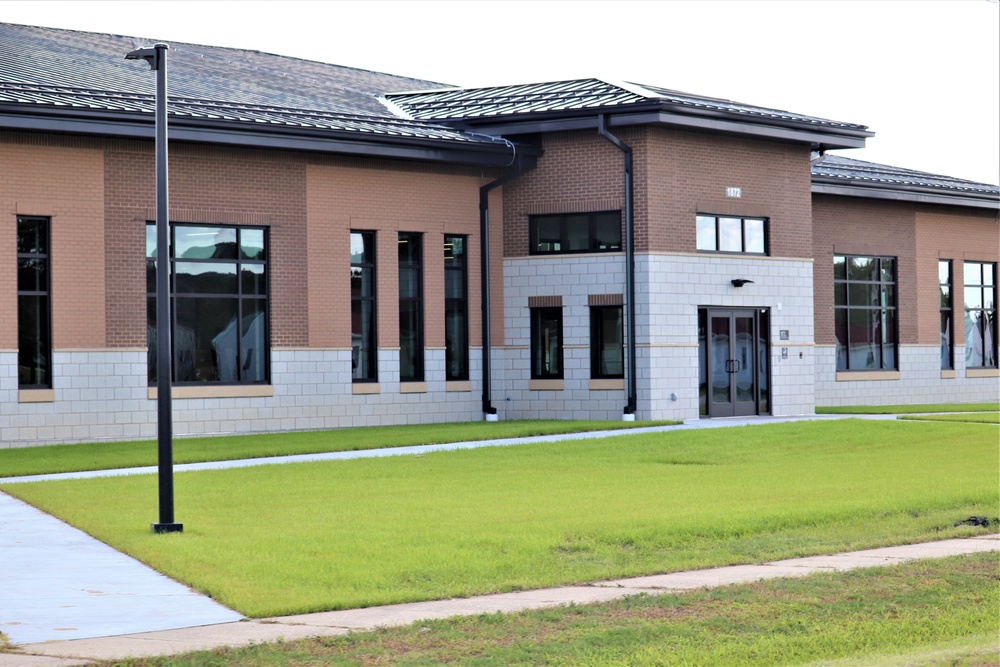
<point x="819" y="137"/>
<point x="827" y="186"/>
<point x="283" y="137"/>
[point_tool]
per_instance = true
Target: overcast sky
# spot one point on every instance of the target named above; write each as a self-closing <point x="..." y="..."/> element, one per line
<point x="924" y="75"/>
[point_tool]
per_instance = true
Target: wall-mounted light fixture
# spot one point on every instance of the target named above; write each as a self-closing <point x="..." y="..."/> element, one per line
<point x="740" y="282"/>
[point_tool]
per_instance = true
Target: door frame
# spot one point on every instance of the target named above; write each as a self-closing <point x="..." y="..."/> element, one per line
<point x="760" y="318"/>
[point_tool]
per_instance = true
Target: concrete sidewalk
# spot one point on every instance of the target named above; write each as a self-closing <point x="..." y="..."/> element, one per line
<point x="690" y="424"/>
<point x="169" y="642"/>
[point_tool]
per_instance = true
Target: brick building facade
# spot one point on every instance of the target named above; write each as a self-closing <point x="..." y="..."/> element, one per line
<point x="647" y="254"/>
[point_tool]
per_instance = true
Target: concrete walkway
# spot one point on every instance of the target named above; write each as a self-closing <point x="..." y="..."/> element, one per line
<point x="449" y="446"/>
<point x="58" y="582"/>
<point x="169" y="642"/>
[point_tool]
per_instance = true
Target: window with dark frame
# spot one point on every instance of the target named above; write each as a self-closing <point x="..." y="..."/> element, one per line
<point x="731" y="234"/>
<point x="575" y="233"/>
<point x="980" y="279"/>
<point x="219" y="288"/>
<point x="411" y="307"/>
<point x="947" y="317"/>
<point x="606" y="343"/>
<point x="865" y="312"/>
<point x="364" y="358"/>
<point x="456" y="309"/>
<point x="34" y="309"/>
<point x="546" y="343"/>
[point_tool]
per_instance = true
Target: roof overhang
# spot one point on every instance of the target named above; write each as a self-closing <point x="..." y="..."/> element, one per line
<point x="229" y="133"/>
<point x="820" y="137"/>
<point x="921" y="195"/>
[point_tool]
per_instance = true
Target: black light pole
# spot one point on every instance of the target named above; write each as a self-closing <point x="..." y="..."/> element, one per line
<point x="156" y="56"/>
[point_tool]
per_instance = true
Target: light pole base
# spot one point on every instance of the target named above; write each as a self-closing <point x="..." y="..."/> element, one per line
<point x="167" y="527"/>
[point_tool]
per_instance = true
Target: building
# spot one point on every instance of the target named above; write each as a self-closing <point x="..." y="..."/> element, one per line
<point x="560" y="250"/>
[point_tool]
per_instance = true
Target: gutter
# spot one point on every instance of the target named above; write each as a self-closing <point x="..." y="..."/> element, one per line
<point x="631" y="392"/>
<point x="262" y="136"/>
<point x="821" y="136"/>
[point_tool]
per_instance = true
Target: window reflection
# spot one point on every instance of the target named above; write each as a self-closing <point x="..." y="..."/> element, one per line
<point x="220" y="306"/>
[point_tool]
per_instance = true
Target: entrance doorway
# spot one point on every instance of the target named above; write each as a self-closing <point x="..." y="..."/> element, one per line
<point x="733" y="362"/>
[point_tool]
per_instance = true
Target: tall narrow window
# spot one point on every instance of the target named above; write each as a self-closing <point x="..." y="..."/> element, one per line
<point x="456" y="309"/>
<point x="947" y="319"/>
<point x="218" y="284"/>
<point x="606" y="342"/>
<point x="546" y="343"/>
<point x="865" y="312"/>
<point x="411" y="308"/>
<point x="980" y="315"/>
<point x="363" y="340"/>
<point x="34" y="328"/>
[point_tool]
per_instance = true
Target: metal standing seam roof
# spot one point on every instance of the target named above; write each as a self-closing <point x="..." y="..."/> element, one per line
<point x="67" y="73"/>
<point x="835" y="168"/>
<point x="577" y="95"/>
<point x="59" y="98"/>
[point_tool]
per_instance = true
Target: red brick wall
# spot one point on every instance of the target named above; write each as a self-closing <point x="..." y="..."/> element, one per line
<point x="212" y="185"/>
<point x="688" y="173"/>
<point x="856" y="226"/>
<point x="579" y="172"/>
<point x="958" y="234"/>
<point x="388" y="198"/>
<point x="61" y="178"/>
<point x="101" y="192"/>
<point x="676" y="175"/>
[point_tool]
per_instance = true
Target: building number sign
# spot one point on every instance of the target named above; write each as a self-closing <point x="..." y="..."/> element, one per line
<point x="734" y="193"/>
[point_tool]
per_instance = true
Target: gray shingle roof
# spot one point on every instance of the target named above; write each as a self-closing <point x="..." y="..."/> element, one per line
<point x="847" y="170"/>
<point x="576" y="95"/>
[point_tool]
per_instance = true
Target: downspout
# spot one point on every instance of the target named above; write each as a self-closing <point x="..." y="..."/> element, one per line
<point x="602" y="129"/>
<point x="484" y="268"/>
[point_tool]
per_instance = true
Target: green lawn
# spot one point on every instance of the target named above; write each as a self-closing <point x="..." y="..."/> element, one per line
<point x="932" y="613"/>
<point x="112" y="455"/>
<point x="907" y="409"/>
<point x="296" y="538"/>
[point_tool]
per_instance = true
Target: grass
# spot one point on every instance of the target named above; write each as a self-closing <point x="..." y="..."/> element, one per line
<point x="928" y="613"/>
<point x="907" y="409"/>
<point x="113" y="455"/>
<point x="275" y="540"/>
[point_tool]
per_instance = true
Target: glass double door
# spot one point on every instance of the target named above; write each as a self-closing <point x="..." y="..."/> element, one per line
<point x="734" y="362"/>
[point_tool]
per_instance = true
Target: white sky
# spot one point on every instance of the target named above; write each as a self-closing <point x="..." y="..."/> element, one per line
<point x="924" y="75"/>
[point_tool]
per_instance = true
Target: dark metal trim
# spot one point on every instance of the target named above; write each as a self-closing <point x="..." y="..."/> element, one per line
<point x="818" y="135"/>
<point x="284" y="138"/>
<point x="904" y="193"/>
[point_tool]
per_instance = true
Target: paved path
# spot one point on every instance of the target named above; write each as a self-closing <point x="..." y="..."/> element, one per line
<point x="169" y="642"/>
<point x="423" y="449"/>
<point x="58" y="582"/>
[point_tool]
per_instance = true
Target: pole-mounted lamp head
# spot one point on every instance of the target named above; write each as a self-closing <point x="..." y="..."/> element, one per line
<point x="151" y="54"/>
